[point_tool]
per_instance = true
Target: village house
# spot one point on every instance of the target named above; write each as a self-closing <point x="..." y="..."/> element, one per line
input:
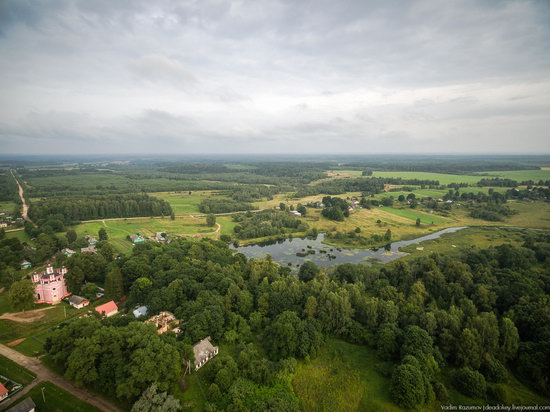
<point x="91" y="240"/>
<point x="50" y="285"/>
<point x="161" y="237"/>
<point x="78" y="302"/>
<point x="3" y="392"/>
<point x="89" y="249"/>
<point x="136" y="239"/>
<point x="3" y="224"/>
<point x="140" y="311"/>
<point x="165" y="322"/>
<point x="68" y="252"/>
<point x="26" y="264"/>
<point x="27" y="405"/>
<point x="107" y="309"/>
<point x="204" y="351"/>
<point x="295" y="213"/>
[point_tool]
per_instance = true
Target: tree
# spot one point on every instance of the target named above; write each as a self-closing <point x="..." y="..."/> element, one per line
<point x="282" y="206"/>
<point x="308" y="271"/>
<point x="21" y="295"/>
<point x="71" y="236"/>
<point x="509" y="338"/>
<point x="407" y="386"/>
<point x="417" y="221"/>
<point x="211" y="219"/>
<point x="469" y="351"/>
<point x="470" y="382"/>
<point x="7" y="277"/>
<point x="114" y="288"/>
<point x="102" y="234"/>
<point x="153" y="401"/>
<point x="387" y="235"/>
<point x="302" y="209"/>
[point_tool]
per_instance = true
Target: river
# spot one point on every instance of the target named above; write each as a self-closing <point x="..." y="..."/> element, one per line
<point x="285" y="251"/>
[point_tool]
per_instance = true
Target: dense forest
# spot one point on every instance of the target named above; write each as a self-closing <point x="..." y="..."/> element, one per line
<point x="8" y="187"/>
<point x="212" y="205"/>
<point x="479" y="316"/>
<point x="74" y="209"/>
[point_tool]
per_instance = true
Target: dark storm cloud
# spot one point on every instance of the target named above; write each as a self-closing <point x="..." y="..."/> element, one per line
<point x="259" y="76"/>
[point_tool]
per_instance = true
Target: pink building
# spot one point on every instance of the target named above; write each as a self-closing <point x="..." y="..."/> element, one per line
<point x="50" y="285"/>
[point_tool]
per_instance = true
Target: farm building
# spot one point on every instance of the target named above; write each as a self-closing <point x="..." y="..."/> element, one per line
<point x="26" y="264"/>
<point x="3" y="392"/>
<point x="107" y="309"/>
<point x="50" y="285"/>
<point x="78" y="302"/>
<point x="204" y="351"/>
<point x="27" y="405"/>
<point x="140" y="311"/>
<point x="165" y="322"/>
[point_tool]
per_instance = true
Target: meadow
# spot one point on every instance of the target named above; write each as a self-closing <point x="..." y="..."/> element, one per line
<point x="186" y="202"/>
<point x="15" y="372"/>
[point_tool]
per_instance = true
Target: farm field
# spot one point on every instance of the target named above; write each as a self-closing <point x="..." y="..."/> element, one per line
<point x="413" y="214"/>
<point x="443" y="178"/>
<point x="523" y="175"/>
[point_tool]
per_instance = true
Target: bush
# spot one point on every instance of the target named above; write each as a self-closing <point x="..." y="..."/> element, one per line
<point x="441" y="392"/>
<point x="494" y="370"/>
<point x="497" y="394"/>
<point x="469" y="382"/>
<point x="407" y="389"/>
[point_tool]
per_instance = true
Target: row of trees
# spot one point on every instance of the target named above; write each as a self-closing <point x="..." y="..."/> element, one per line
<point x="73" y="209"/>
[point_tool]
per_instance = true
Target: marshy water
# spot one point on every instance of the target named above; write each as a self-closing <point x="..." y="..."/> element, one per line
<point x="295" y="251"/>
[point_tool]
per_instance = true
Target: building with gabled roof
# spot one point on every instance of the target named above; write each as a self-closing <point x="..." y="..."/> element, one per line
<point x="107" y="309"/>
<point x="204" y="351"/>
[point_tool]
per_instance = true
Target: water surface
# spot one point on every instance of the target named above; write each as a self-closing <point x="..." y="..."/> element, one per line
<point x="285" y="251"/>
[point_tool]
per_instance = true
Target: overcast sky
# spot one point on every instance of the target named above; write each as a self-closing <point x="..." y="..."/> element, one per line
<point x="110" y="76"/>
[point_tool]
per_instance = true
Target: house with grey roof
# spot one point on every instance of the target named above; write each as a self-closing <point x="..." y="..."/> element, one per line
<point x="204" y="351"/>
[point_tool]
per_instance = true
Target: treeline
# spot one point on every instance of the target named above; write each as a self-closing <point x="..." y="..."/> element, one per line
<point x="212" y="205"/>
<point x="252" y="193"/>
<point x="8" y="187"/>
<point x="74" y="209"/>
<point x="266" y="223"/>
<point x="484" y="313"/>
<point x="338" y="186"/>
<point x="497" y="182"/>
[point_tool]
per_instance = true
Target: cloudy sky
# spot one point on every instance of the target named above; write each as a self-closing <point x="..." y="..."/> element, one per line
<point x="287" y="76"/>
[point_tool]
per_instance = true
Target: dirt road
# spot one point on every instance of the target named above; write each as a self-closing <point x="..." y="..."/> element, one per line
<point x="44" y="374"/>
<point x="24" y="205"/>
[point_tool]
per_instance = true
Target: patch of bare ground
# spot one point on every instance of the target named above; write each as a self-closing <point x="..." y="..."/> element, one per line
<point x="25" y="317"/>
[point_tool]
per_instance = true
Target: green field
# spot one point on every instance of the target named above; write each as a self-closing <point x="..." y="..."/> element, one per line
<point x="15" y="372"/>
<point x="119" y="229"/>
<point x="185" y="203"/>
<point x="523" y="175"/>
<point x="348" y="377"/>
<point x="51" y="398"/>
<point x="413" y="214"/>
<point x="443" y="178"/>
<point x="7" y="207"/>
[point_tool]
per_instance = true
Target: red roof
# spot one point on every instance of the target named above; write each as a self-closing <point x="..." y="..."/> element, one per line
<point x="107" y="308"/>
<point x="3" y="390"/>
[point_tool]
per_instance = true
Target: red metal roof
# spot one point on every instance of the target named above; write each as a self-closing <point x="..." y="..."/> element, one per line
<point x="107" y="307"/>
<point x="3" y="390"/>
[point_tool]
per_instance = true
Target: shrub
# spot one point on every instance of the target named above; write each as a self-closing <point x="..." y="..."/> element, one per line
<point x="470" y="382"/>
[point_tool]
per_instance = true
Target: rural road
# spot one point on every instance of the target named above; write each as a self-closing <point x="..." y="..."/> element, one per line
<point x="24" y="205"/>
<point x="44" y="374"/>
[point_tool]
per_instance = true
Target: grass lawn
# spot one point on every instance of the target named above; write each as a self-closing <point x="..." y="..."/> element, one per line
<point x="185" y="203"/>
<point x="7" y="207"/>
<point x="119" y="229"/>
<point x="15" y="372"/>
<point x="57" y="399"/>
<point x="19" y="234"/>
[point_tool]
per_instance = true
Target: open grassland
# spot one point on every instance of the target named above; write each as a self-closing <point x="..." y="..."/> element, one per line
<point x="51" y="398"/>
<point x="185" y="203"/>
<point x="28" y="338"/>
<point x="413" y="214"/>
<point x="119" y="229"/>
<point x="347" y="377"/>
<point x="15" y="372"/>
<point x="523" y="175"/>
<point x="7" y="207"/>
<point x="454" y="243"/>
<point x="19" y="234"/>
<point x="289" y="200"/>
<point x="530" y="214"/>
<point x="344" y="377"/>
<point x="443" y="178"/>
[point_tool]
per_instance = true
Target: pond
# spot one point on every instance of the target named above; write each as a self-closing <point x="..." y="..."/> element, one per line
<point x="295" y="251"/>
